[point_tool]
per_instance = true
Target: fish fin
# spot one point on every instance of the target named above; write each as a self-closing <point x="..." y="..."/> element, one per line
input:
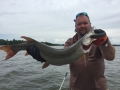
<point x="27" y="38"/>
<point x="84" y="58"/>
<point x="26" y="54"/>
<point x="46" y="64"/>
<point x="9" y="51"/>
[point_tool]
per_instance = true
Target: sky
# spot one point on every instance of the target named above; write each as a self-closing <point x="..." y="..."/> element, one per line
<point x="52" y="20"/>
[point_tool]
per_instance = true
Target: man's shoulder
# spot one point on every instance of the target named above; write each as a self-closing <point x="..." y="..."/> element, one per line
<point x="72" y="38"/>
<point x="69" y="39"/>
<point x="69" y="42"/>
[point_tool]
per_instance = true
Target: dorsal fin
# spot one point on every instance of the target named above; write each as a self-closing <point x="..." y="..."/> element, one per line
<point x="27" y="38"/>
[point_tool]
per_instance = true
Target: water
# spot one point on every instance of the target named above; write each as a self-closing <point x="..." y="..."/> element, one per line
<point x="24" y="73"/>
<point x="112" y="71"/>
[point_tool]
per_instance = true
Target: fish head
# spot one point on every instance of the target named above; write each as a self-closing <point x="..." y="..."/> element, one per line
<point x="87" y="40"/>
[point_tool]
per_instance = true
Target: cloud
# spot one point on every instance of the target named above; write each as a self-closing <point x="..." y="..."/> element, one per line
<point x="52" y="20"/>
<point x="59" y="40"/>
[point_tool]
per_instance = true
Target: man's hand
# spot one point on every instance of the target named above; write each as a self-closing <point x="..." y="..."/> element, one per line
<point x="35" y="53"/>
<point x="101" y="37"/>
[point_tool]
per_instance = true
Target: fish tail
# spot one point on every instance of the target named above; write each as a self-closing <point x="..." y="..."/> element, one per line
<point x="8" y="50"/>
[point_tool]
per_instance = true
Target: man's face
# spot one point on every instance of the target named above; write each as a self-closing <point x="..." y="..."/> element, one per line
<point x="82" y="25"/>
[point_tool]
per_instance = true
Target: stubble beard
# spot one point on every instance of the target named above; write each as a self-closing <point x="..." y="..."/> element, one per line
<point x="82" y="34"/>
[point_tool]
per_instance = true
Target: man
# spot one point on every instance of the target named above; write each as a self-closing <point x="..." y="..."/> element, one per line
<point x="91" y="76"/>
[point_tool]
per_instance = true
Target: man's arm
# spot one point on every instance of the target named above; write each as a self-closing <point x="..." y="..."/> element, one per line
<point x="102" y="41"/>
<point x="108" y="51"/>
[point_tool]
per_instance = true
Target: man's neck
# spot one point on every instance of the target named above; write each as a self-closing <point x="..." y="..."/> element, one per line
<point x="79" y="36"/>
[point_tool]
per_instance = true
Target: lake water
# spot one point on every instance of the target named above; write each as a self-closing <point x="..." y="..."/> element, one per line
<point x="24" y="73"/>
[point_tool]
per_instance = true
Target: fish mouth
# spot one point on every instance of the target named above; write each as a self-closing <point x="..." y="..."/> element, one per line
<point x="86" y="47"/>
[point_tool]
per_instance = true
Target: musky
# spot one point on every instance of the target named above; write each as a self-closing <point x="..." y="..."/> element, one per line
<point x="52" y="20"/>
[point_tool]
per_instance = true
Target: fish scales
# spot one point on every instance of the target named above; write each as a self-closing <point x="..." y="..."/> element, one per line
<point x="53" y="55"/>
<point x="62" y="59"/>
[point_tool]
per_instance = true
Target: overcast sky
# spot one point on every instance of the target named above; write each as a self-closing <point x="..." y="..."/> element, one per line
<point x="52" y="20"/>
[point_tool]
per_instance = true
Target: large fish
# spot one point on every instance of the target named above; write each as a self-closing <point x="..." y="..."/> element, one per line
<point x="52" y="55"/>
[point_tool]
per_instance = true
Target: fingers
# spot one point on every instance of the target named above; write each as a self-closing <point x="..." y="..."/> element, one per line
<point x="37" y="54"/>
<point x="101" y="40"/>
<point x="98" y="33"/>
<point x="34" y="52"/>
<point x="31" y="50"/>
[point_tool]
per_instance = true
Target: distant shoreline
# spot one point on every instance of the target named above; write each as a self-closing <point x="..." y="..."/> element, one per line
<point x="12" y="42"/>
<point x="116" y="45"/>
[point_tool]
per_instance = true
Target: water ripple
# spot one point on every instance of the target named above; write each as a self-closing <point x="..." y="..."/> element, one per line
<point x="24" y="73"/>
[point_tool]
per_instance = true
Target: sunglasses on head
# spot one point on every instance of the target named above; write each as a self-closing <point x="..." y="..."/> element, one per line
<point x="82" y="13"/>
